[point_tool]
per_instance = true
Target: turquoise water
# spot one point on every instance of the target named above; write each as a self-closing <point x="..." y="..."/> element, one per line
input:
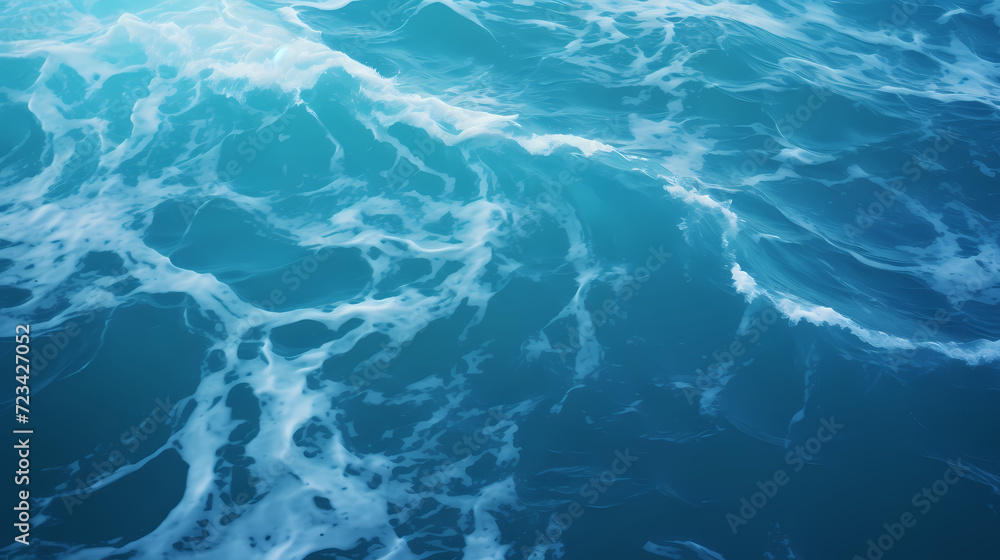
<point x="410" y="279"/>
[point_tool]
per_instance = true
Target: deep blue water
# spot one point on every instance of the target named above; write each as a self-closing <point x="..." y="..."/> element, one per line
<point x="503" y="280"/>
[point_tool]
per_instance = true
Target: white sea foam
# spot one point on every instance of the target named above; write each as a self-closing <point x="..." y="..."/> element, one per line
<point x="236" y="49"/>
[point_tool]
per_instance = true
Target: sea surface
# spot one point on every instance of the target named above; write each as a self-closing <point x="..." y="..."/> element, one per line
<point x="443" y="279"/>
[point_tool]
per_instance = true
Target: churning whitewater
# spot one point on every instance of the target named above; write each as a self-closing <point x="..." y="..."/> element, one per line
<point x="505" y="280"/>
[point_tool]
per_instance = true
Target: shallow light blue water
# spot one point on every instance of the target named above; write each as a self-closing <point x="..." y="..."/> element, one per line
<point x="413" y="279"/>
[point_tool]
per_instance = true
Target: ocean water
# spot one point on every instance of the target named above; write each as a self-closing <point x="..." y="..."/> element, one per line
<point x="413" y="279"/>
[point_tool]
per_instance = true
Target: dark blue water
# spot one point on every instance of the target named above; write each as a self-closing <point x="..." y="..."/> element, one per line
<point x="409" y="279"/>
